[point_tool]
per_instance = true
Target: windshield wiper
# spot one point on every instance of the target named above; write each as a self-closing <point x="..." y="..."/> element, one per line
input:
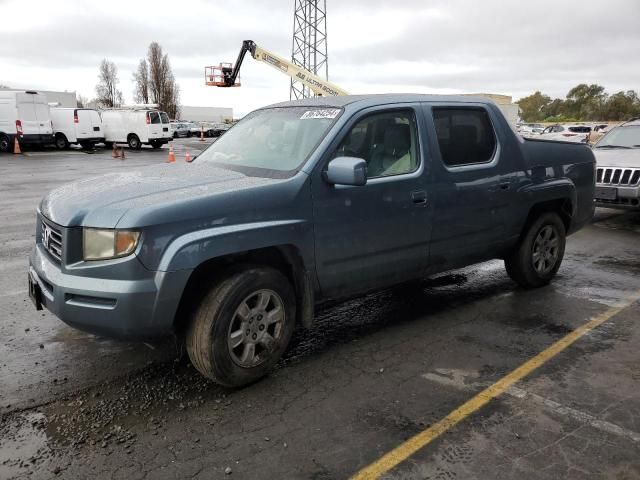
<point x="615" y="146"/>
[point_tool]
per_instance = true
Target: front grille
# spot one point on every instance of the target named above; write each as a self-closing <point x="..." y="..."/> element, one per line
<point x="618" y="176"/>
<point x="52" y="240"/>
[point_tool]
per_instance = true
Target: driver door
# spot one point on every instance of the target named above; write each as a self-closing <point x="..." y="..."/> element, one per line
<point x="374" y="235"/>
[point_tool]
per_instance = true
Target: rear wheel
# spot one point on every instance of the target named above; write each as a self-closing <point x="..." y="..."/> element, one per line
<point x="108" y="145"/>
<point x="6" y="146"/>
<point x="538" y="256"/>
<point x="242" y="326"/>
<point x="87" y="145"/>
<point x="61" y="142"/>
<point x="134" y="142"/>
<point x="156" y="144"/>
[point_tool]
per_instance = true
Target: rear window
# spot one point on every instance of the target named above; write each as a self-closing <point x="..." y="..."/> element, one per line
<point x="154" y="117"/>
<point x="164" y="117"/>
<point x="465" y="135"/>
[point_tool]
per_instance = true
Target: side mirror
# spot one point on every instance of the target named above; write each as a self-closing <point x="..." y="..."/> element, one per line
<point x="347" y="171"/>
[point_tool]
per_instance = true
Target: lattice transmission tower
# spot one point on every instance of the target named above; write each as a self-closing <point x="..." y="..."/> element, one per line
<point x="309" y="42"/>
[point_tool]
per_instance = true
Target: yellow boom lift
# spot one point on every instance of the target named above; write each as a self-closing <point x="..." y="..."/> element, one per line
<point x="228" y="75"/>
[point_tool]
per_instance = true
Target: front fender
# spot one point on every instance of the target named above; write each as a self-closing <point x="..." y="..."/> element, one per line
<point x="190" y="250"/>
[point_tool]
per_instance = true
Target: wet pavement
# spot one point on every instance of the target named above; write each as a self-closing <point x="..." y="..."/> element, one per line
<point x="371" y="373"/>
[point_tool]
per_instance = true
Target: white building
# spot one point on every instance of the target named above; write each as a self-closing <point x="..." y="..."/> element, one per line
<point x="205" y="114"/>
<point x="66" y="99"/>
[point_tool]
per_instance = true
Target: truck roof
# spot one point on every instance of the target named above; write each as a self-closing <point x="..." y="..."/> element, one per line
<point x="377" y="99"/>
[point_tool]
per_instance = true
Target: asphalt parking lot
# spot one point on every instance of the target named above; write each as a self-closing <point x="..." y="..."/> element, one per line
<point x="371" y="374"/>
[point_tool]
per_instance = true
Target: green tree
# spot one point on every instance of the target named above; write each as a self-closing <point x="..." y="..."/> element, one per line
<point x="586" y="102"/>
<point x="532" y="107"/>
<point x="622" y="106"/>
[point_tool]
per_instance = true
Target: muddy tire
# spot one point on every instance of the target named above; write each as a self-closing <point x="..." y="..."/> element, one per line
<point x="538" y="256"/>
<point x="242" y="326"/>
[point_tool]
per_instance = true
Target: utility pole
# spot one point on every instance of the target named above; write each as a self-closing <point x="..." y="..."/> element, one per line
<point x="309" y="49"/>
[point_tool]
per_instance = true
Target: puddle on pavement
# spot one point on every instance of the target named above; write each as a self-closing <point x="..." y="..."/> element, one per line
<point x="23" y="444"/>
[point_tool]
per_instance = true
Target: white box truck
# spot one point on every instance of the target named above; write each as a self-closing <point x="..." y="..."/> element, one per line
<point x="24" y="114"/>
<point x="76" y="126"/>
<point x="136" y="127"/>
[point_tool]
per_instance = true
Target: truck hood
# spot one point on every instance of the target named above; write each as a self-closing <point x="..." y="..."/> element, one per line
<point x="103" y="201"/>
<point x="617" y="157"/>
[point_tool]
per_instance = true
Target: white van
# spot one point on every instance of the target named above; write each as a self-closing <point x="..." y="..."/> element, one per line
<point x="24" y="115"/>
<point x="136" y="127"/>
<point x="76" y="125"/>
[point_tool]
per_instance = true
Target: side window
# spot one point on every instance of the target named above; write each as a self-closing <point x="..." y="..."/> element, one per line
<point x="164" y="117"/>
<point x="465" y="135"/>
<point x="386" y="141"/>
<point x="155" y="118"/>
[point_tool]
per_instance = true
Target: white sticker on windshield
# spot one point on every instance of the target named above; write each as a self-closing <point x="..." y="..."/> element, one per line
<point x="324" y="113"/>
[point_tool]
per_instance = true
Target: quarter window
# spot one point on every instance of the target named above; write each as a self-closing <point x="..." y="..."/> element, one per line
<point x="465" y="135"/>
<point x="155" y="118"/>
<point x="386" y="141"/>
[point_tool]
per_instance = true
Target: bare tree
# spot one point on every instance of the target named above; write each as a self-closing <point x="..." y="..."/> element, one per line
<point x="141" y="82"/>
<point x="107" y="91"/>
<point x="81" y="101"/>
<point x="163" y="88"/>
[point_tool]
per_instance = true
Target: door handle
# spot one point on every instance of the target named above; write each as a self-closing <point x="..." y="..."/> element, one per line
<point x="419" y="197"/>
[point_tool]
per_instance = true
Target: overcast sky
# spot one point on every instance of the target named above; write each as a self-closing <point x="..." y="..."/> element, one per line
<point x="375" y="46"/>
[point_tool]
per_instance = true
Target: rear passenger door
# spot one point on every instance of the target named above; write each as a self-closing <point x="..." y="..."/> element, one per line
<point x="469" y="195"/>
<point x="155" y="126"/>
<point x="27" y="113"/>
<point x="43" y="115"/>
<point x="166" y="125"/>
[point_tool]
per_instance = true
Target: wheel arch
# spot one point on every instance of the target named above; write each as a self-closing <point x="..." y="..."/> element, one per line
<point x="285" y="258"/>
<point x="563" y="206"/>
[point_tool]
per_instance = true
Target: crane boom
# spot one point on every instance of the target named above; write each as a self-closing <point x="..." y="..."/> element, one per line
<point x="228" y="75"/>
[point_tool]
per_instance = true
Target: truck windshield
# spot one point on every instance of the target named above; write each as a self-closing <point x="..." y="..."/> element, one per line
<point x="621" y="137"/>
<point x="272" y="140"/>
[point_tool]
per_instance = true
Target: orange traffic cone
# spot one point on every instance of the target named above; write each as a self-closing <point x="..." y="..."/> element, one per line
<point x="172" y="156"/>
<point x="115" y="153"/>
<point x="16" y="146"/>
<point x="187" y="157"/>
<point x="122" y="153"/>
<point x="201" y="133"/>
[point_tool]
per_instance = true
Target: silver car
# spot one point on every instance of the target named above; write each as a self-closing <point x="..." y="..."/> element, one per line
<point x="618" y="167"/>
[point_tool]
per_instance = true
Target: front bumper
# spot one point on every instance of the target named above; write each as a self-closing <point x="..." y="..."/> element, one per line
<point x="91" y="139"/>
<point x="140" y="308"/>
<point x="36" y="139"/>
<point x="626" y="198"/>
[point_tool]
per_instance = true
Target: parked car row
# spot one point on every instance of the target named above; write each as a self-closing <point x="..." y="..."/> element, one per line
<point x="27" y="117"/>
<point x="577" y="133"/>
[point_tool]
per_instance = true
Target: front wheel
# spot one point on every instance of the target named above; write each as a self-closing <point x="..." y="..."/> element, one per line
<point x="61" y="142"/>
<point x="242" y="326"/>
<point x="538" y="256"/>
<point x="134" y="142"/>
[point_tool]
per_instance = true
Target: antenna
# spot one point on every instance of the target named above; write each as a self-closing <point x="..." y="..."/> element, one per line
<point x="309" y="49"/>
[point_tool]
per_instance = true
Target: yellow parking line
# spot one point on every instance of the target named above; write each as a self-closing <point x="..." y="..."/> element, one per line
<point x="420" y="440"/>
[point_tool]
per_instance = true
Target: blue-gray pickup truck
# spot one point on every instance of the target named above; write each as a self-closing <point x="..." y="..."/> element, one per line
<point x="299" y="203"/>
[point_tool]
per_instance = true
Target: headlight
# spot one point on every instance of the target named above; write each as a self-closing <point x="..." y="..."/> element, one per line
<point x="105" y="244"/>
